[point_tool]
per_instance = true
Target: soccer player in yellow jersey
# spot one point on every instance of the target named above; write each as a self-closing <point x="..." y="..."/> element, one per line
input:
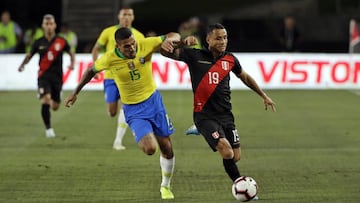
<point x="106" y="41"/>
<point x="130" y="64"/>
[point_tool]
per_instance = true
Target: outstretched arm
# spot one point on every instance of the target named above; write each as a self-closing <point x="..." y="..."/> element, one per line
<point x="170" y="42"/>
<point x="251" y="83"/>
<point x="95" y="51"/>
<point x="72" y="60"/>
<point x="95" y="54"/>
<point x="87" y="76"/>
<point x="24" y="62"/>
<point x="172" y="50"/>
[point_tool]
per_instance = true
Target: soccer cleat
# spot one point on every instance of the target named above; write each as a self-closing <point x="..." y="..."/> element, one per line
<point x="50" y="133"/>
<point x="118" y="146"/>
<point x="192" y="130"/>
<point x="166" y="193"/>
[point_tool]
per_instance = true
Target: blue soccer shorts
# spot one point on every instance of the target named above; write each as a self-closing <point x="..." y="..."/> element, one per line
<point x="111" y="91"/>
<point x="147" y="117"/>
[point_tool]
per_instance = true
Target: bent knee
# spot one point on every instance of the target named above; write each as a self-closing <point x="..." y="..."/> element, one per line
<point x="148" y="144"/>
<point x="237" y="154"/>
<point x="227" y="154"/>
<point x="150" y="150"/>
<point x="225" y="149"/>
<point x="55" y="106"/>
<point x="112" y="109"/>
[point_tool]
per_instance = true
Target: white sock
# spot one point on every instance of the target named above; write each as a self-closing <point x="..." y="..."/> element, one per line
<point x="121" y="127"/>
<point x="167" y="170"/>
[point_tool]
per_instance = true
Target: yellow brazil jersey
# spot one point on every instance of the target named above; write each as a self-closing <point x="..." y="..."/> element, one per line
<point x="107" y="40"/>
<point x="133" y="77"/>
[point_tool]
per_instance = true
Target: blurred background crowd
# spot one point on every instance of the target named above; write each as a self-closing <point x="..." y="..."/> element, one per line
<point x="253" y="25"/>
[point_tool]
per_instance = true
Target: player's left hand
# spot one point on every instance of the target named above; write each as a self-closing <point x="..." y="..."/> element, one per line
<point x="70" y="100"/>
<point x="21" y="68"/>
<point x="71" y="66"/>
<point x="269" y="102"/>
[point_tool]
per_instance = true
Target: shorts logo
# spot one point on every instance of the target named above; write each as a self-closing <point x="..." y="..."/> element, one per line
<point x="225" y="65"/>
<point x="215" y="135"/>
<point x="169" y="122"/>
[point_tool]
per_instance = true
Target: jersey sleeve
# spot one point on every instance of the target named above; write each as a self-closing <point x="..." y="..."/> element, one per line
<point x="67" y="47"/>
<point x="186" y="54"/>
<point x="102" y="63"/>
<point x="154" y="42"/>
<point x="237" y="67"/>
<point x="34" y="48"/>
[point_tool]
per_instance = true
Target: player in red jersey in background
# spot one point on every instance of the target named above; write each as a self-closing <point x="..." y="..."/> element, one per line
<point x="50" y="48"/>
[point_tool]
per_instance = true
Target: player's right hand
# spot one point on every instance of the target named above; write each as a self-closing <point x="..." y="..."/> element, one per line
<point x="70" y="100"/>
<point x="190" y="41"/>
<point x="21" y="68"/>
<point x="169" y="45"/>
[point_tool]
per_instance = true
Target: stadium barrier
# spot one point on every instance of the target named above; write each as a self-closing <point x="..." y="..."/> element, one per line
<point x="270" y="70"/>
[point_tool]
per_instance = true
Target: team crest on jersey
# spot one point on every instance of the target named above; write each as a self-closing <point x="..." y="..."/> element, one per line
<point x="57" y="46"/>
<point x="131" y="65"/>
<point x="215" y="135"/>
<point x="225" y="65"/>
<point x="142" y="60"/>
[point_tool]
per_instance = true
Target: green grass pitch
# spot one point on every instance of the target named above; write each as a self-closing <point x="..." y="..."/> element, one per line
<point x="308" y="151"/>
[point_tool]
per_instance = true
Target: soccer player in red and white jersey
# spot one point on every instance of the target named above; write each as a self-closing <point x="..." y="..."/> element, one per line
<point x="50" y="48"/>
<point x="210" y="70"/>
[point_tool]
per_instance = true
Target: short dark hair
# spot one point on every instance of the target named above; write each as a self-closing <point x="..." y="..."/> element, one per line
<point x="122" y="33"/>
<point x="126" y="7"/>
<point x="48" y="17"/>
<point x="214" y="27"/>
